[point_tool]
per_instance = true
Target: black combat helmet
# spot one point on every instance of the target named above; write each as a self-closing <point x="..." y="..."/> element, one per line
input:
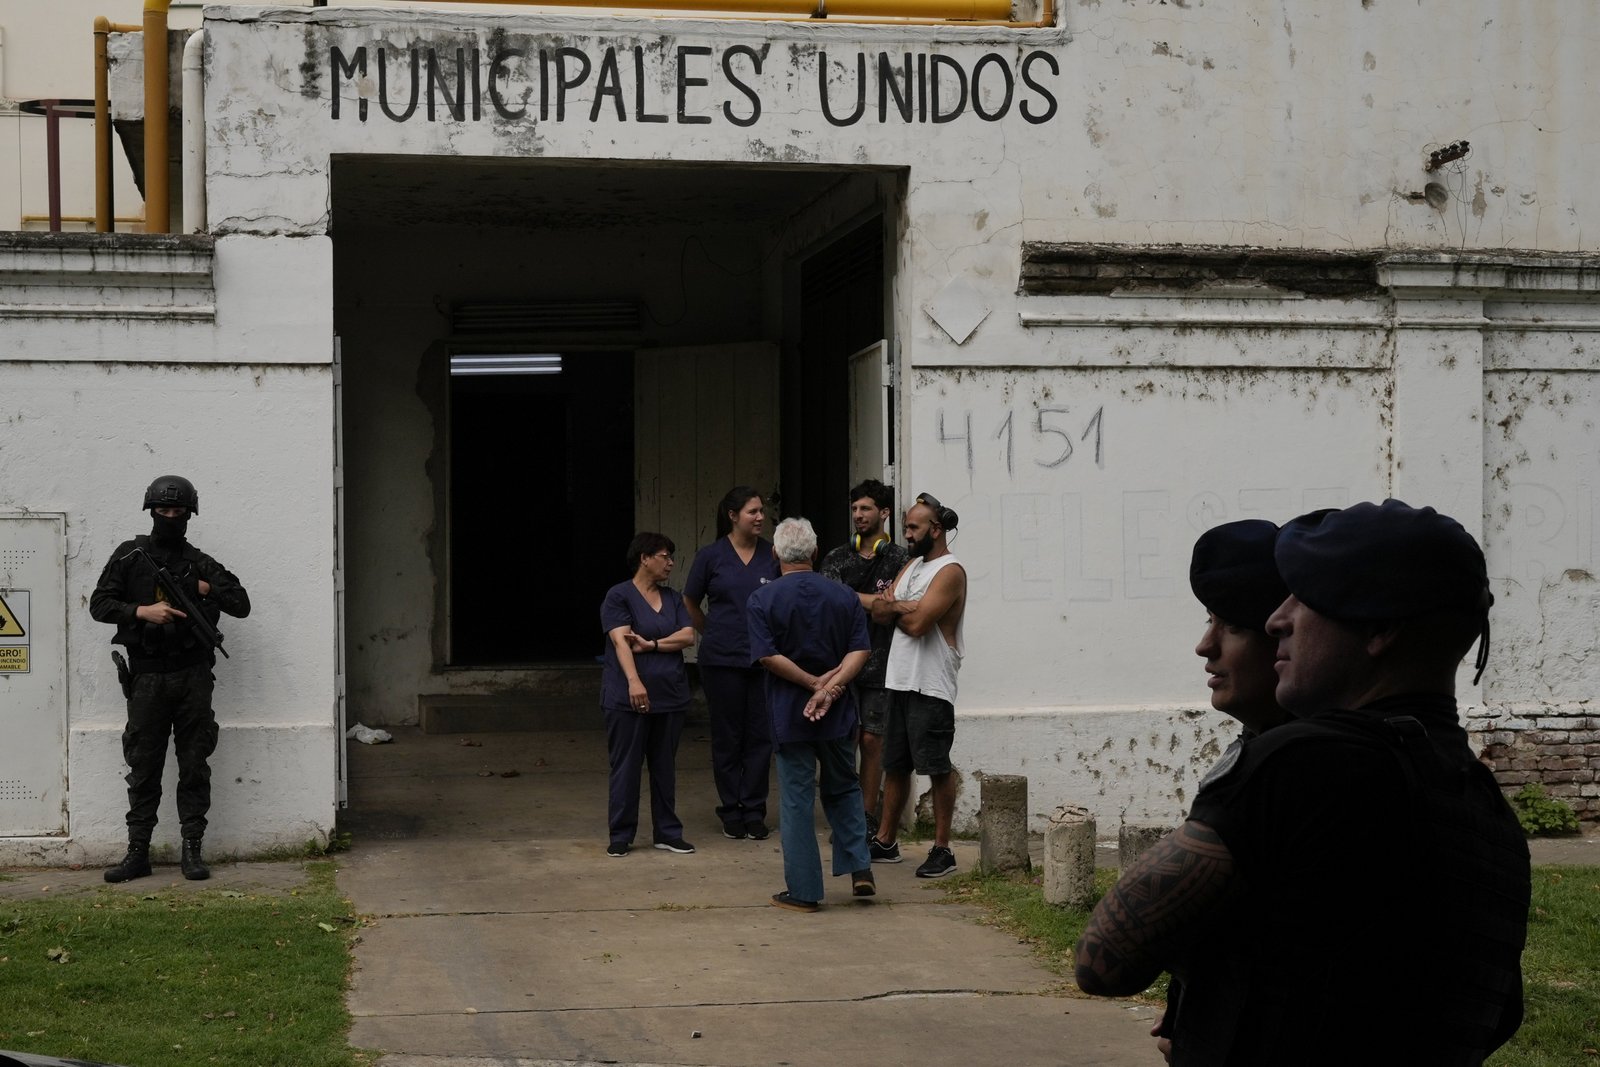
<point x="172" y="491"/>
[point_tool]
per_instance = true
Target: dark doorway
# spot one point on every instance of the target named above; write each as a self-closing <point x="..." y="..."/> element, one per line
<point x="541" y="453"/>
<point x="841" y="312"/>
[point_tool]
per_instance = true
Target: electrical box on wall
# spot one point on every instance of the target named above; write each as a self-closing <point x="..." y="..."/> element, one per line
<point x="33" y="675"/>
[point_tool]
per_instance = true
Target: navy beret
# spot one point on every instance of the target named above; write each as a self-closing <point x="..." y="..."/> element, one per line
<point x="1233" y="574"/>
<point x="1383" y="562"/>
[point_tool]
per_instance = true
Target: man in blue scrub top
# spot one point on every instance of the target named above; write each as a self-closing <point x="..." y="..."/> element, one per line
<point x="810" y="634"/>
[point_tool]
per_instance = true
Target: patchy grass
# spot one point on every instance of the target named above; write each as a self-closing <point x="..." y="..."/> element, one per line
<point x="313" y="849"/>
<point x="1015" y="902"/>
<point x="1561" y="965"/>
<point x="176" y="978"/>
<point x="1560" y="972"/>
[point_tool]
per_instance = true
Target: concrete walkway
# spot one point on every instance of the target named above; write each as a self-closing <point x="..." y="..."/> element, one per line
<point x="505" y="937"/>
<point x="504" y="934"/>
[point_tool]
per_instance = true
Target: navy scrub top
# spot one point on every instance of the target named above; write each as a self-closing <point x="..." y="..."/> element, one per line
<point x="719" y="576"/>
<point x="662" y="673"/>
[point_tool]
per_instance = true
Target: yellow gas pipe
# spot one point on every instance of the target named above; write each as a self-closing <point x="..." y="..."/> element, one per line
<point x="944" y="10"/>
<point x="104" y="207"/>
<point x="157" y="91"/>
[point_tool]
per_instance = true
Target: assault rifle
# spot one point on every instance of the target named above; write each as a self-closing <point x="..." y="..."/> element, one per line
<point x="203" y="629"/>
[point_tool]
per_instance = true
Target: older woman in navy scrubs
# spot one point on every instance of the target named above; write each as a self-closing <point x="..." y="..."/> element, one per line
<point x="724" y="574"/>
<point x="644" y="691"/>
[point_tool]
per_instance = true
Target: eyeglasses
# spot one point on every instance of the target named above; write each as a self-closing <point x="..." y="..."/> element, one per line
<point x="661" y="555"/>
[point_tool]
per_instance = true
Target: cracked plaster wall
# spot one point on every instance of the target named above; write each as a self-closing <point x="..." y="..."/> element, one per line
<point x="1300" y="125"/>
<point x="1303" y="125"/>
<point x="84" y="438"/>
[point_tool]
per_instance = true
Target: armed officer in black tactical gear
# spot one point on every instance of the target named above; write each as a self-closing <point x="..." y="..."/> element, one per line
<point x="168" y="680"/>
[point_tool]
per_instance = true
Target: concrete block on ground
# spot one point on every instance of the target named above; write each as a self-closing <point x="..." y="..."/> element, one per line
<point x="1069" y="858"/>
<point x="1003" y="823"/>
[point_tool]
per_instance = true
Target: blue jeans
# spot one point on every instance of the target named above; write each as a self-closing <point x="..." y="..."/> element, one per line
<point x="798" y="764"/>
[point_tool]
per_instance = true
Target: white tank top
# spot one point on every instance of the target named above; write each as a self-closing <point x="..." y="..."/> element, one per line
<point x="926" y="664"/>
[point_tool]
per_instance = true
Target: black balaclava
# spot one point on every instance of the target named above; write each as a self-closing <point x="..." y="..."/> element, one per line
<point x="168" y="532"/>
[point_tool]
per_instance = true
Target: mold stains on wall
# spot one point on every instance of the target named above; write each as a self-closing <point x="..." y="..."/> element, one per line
<point x="1093" y="125"/>
<point x="1174" y="758"/>
<point x="1095" y="197"/>
<point x="311" y="64"/>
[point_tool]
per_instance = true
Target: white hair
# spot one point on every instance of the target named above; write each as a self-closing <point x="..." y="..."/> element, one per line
<point x="795" y="541"/>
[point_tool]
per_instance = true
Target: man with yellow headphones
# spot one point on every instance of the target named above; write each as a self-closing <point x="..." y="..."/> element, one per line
<point x="867" y="563"/>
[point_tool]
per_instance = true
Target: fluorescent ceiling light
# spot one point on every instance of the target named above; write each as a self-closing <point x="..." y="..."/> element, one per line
<point x="505" y="364"/>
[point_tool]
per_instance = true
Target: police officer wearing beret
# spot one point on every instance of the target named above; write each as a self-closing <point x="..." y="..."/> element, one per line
<point x="1234" y="576"/>
<point x="170" y="662"/>
<point x="1385" y="878"/>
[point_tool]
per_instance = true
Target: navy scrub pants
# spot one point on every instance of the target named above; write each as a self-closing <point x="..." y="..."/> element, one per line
<point x="741" y="741"/>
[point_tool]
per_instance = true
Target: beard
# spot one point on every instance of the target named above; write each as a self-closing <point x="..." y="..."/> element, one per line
<point x="921" y="546"/>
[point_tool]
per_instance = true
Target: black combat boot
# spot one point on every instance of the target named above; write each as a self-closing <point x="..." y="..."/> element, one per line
<point x="136" y="864"/>
<point x="194" y="867"/>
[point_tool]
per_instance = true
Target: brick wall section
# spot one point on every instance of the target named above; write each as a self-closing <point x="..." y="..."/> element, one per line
<point x="1558" y="748"/>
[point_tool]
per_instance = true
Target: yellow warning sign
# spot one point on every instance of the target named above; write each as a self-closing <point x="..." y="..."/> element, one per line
<point x="13" y="659"/>
<point x="10" y="626"/>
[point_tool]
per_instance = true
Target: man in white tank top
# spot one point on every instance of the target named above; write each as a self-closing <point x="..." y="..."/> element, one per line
<point x="926" y="604"/>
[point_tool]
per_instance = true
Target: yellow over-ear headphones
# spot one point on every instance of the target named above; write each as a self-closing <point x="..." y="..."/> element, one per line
<point x="877" y="542"/>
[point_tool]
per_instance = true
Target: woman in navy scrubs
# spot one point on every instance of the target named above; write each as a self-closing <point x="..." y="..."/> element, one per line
<point x="723" y="575"/>
<point x="644" y="691"/>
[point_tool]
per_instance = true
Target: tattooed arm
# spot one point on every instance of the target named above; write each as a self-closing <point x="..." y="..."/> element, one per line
<point x="1154" y="910"/>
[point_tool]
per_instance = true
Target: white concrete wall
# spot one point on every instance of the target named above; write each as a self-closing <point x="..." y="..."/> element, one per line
<point x="100" y="400"/>
<point x="1300" y="126"/>
<point x="1305" y="129"/>
<point x="1470" y="390"/>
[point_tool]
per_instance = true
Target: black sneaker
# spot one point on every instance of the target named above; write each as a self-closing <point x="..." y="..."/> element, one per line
<point x="618" y="848"/>
<point x="940" y="862"/>
<point x="862" y="884"/>
<point x="882" y="853"/>
<point x="733" y="831"/>
<point x="756" y="831"/>
<point x="676" y="844"/>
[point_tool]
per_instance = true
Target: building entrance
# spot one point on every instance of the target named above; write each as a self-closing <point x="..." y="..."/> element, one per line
<point x="541" y="358"/>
